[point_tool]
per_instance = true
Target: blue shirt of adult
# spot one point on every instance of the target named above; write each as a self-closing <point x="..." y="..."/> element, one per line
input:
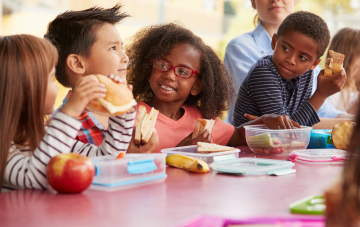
<point x="244" y="51"/>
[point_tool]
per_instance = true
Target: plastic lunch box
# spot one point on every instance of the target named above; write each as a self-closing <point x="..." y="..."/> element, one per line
<point x="133" y="170"/>
<point x="321" y="138"/>
<point x="192" y="151"/>
<point x="319" y="156"/>
<point x="254" y="166"/>
<point x="263" y="140"/>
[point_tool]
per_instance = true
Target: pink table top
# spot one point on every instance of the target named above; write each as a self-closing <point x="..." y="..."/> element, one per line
<point x="182" y="196"/>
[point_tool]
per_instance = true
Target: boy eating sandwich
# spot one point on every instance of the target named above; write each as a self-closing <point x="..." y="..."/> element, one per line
<point x="89" y="43"/>
<point x="281" y="83"/>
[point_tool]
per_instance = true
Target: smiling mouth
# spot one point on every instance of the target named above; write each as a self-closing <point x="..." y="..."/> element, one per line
<point x="167" y="88"/>
<point x="275" y="7"/>
<point x="286" y="69"/>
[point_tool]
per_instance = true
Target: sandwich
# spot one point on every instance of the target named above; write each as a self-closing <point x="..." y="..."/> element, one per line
<point x="118" y="100"/>
<point x="201" y="126"/>
<point x="145" y="124"/>
<point x="206" y="148"/>
<point x="341" y="135"/>
<point x="334" y="64"/>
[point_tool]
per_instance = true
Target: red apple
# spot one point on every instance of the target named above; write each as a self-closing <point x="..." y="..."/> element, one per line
<point x="70" y="173"/>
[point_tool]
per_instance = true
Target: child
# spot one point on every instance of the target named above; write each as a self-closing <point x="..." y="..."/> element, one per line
<point x="281" y="83"/>
<point x="343" y="199"/>
<point x="347" y="42"/>
<point x="89" y="43"/>
<point x="28" y="92"/>
<point x="173" y="71"/>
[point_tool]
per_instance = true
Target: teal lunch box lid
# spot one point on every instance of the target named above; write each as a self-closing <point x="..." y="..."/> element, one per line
<point x="253" y="166"/>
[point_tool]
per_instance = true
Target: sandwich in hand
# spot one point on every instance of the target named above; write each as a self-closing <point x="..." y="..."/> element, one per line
<point x="206" y="148"/>
<point x="201" y="126"/>
<point x="118" y="100"/>
<point x="145" y="124"/>
<point x="334" y="64"/>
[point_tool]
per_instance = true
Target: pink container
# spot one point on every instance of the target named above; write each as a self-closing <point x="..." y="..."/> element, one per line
<point x="295" y="221"/>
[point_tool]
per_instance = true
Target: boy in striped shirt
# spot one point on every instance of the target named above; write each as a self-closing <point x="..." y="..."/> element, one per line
<point x="89" y="43"/>
<point x="282" y="83"/>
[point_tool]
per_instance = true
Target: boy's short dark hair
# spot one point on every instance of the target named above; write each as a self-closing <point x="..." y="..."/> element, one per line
<point x="74" y="32"/>
<point x="310" y="25"/>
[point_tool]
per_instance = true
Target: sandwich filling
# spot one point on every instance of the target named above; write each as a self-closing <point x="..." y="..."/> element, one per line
<point x="114" y="109"/>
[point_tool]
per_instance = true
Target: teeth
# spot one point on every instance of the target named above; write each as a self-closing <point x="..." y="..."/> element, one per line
<point x="166" y="88"/>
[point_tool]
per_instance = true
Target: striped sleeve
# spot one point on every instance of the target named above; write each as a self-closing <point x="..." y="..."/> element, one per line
<point x="117" y="137"/>
<point x="29" y="171"/>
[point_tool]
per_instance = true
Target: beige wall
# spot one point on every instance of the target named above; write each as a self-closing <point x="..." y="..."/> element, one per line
<point x="34" y="18"/>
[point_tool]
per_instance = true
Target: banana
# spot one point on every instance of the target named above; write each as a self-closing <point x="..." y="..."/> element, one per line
<point x="188" y="163"/>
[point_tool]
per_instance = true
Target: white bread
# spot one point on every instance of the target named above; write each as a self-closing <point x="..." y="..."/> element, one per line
<point x="201" y="126"/>
<point x="334" y="64"/>
<point x="139" y="119"/>
<point x="148" y="125"/>
<point x="145" y="124"/>
<point x="206" y="148"/>
<point x="118" y="100"/>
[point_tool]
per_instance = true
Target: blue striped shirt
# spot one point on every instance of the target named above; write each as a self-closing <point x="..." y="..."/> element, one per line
<point x="264" y="91"/>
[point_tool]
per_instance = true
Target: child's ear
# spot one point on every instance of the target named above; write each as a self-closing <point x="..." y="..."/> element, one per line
<point x="73" y="61"/>
<point x="273" y="42"/>
<point x="315" y="64"/>
<point x="196" y="89"/>
<point x="253" y="4"/>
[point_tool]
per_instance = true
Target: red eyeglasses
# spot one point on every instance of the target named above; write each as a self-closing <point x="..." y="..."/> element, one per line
<point x="180" y="71"/>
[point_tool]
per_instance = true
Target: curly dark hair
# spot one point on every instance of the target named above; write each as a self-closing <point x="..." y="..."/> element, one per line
<point x="310" y="25"/>
<point x="74" y="32"/>
<point x="157" y="41"/>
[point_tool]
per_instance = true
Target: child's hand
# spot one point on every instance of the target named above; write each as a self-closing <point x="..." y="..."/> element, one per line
<point x="329" y="86"/>
<point x="274" y="121"/>
<point x="204" y="137"/>
<point x="250" y="117"/>
<point x="145" y="148"/>
<point x="117" y="79"/>
<point x="87" y="89"/>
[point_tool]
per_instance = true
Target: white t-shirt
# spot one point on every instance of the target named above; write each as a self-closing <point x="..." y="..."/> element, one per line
<point x="337" y="101"/>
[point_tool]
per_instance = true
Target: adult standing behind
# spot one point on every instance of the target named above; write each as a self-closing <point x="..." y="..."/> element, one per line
<point x="244" y="50"/>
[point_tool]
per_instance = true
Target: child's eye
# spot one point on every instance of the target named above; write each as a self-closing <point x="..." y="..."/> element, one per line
<point x="302" y="58"/>
<point x="285" y="48"/>
<point x="183" y="72"/>
<point x="113" y="48"/>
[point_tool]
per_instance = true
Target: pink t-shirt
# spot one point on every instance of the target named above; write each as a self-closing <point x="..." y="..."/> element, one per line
<point x="171" y="132"/>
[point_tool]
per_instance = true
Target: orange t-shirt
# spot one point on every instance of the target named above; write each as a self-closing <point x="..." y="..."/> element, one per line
<point x="171" y="132"/>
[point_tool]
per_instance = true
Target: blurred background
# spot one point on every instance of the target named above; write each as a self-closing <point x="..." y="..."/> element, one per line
<point x="215" y="21"/>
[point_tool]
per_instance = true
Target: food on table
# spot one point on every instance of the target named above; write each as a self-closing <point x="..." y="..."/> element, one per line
<point x="266" y="144"/>
<point x="145" y="124"/>
<point x="206" y="148"/>
<point x="118" y="100"/>
<point x="70" y="173"/>
<point x="341" y="134"/>
<point x="334" y="64"/>
<point x="201" y="126"/>
<point x="121" y="155"/>
<point x="188" y="163"/>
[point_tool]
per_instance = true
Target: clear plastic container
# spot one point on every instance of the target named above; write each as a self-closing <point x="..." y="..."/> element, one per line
<point x="192" y="151"/>
<point x="131" y="171"/>
<point x="263" y="140"/>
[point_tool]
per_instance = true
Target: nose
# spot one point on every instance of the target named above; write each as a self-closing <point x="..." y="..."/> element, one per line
<point x="123" y="57"/>
<point x="291" y="59"/>
<point x="170" y="74"/>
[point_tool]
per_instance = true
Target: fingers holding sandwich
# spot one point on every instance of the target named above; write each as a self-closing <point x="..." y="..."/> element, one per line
<point x="149" y="147"/>
<point x="87" y="89"/>
<point x="203" y="137"/>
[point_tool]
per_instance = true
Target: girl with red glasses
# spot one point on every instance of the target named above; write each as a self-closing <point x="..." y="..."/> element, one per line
<point x="174" y="71"/>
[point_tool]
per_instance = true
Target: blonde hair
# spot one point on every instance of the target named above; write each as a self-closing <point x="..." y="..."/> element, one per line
<point x="25" y="63"/>
<point x="347" y="42"/>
